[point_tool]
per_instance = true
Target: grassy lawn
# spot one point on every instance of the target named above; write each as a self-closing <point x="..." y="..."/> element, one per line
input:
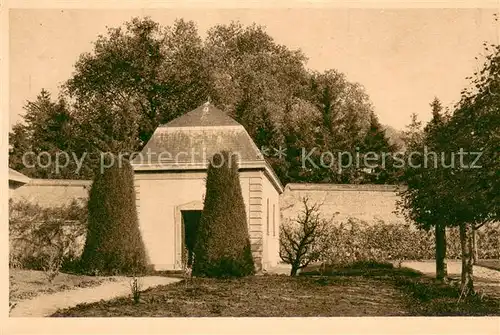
<point x="26" y="284"/>
<point x="344" y="292"/>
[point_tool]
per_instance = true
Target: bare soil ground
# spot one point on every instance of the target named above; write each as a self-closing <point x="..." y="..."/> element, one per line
<point x="259" y="296"/>
<point x="360" y="291"/>
<point x="486" y="279"/>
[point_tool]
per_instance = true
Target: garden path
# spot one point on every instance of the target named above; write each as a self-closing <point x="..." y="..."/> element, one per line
<point x="47" y="304"/>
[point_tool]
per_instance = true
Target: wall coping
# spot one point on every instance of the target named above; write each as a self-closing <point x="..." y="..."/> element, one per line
<point x="290" y="186"/>
<point x="344" y="187"/>
<point x="59" y="182"/>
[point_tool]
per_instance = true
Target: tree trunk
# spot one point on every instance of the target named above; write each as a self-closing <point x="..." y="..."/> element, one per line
<point x="474" y="245"/>
<point x="441" y="270"/>
<point x="466" y="242"/>
<point x="294" y="270"/>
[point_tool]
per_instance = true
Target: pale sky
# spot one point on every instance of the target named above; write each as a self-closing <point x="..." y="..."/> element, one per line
<point x="403" y="57"/>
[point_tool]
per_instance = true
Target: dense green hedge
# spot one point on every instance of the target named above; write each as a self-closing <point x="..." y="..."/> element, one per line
<point x="114" y="244"/>
<point x="356" y="240"/>
<point x="222" y="247"/>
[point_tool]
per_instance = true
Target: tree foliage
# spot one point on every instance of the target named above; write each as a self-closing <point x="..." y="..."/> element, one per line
<point x="143" y="74"/>
<point x="474" y="128"/>
<point x="425" y="155"/>
<point x="423" y="176"/>
<point x="461" y="188"/>
<point x="222" y="246"/>
<point x="48" y="129"/>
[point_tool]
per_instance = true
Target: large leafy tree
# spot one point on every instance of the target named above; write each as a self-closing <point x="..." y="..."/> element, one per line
<point x="251" y="76"/>
<point x="348" y="124"/>
<point x="143" y="74"/>
<point x="435" y="140"/>
<point x="345" y="108"/>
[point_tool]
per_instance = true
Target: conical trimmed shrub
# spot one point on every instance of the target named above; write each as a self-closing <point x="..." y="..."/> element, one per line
<point x="114" y="244"/>
<point x="222" y="247"/>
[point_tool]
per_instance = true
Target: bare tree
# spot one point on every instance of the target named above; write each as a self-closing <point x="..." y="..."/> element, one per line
<point x="304" y="239"/>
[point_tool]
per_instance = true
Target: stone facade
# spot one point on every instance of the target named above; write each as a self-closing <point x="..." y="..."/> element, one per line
<point x="170" y="178"/>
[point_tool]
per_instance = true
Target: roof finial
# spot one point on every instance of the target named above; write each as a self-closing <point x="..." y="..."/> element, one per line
<point x="206" y="104"/>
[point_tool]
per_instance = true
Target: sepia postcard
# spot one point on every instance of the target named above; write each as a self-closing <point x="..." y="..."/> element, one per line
<point x="251" y="167"/>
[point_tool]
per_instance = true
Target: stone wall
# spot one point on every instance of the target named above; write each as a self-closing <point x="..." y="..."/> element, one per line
<point x="52" y="192"/>
<point x="369" y="203"/>
<point x="364" y="202"/>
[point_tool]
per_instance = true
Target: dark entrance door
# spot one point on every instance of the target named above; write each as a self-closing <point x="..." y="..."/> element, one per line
<point x="190" y="220"/>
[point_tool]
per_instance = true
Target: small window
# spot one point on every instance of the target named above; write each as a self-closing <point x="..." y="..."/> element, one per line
<point x="274" y="220"/>
<point x="267" y="216"/>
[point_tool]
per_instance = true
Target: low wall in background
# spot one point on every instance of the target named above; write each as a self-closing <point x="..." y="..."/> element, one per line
<point x="364" y="202"/>
<point x="52" y="192"/>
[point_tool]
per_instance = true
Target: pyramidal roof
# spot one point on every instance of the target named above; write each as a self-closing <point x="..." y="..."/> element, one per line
<point x="190" y="140"/>
<point x="205" y="115"/>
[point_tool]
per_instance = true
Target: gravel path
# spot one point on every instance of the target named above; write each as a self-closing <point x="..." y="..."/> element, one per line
<point x="47" y="304"/>
<point x="454" y="268"/>
<point x="280" y="269"/>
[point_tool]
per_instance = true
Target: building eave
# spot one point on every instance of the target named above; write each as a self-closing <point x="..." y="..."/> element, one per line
<point x="18" y="177"/>
<point x="274" y="178"/>
<point x="180" y="167"/>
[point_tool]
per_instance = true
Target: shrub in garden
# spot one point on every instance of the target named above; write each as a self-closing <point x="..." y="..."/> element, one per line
<point x="45" y="238"/>
<point x="114" y="244"/>
<point x="356" y="240"/>
<point x="222" y="247"/>
<point x="488" y="241"/>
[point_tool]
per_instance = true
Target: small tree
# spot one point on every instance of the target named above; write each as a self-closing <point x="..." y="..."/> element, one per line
<point x="222" y="247"/>
<point x="424" y="179"/>
<point x="304" y="239"/>
<point x="114" y="244"/>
